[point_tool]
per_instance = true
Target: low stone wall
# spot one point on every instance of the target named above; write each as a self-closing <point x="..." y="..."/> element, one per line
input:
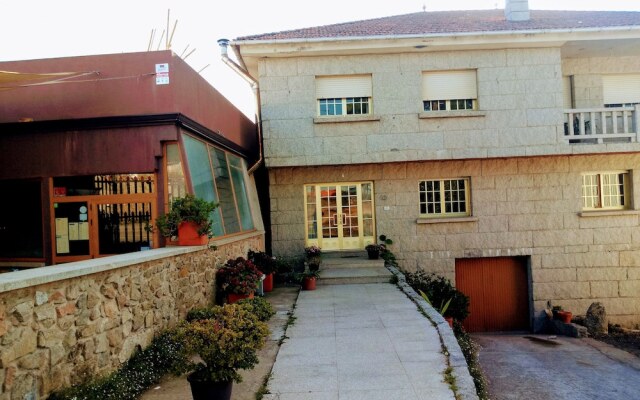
<point x="62" y="324"/>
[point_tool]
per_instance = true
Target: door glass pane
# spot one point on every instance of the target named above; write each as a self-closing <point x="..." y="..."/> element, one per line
<point x="201" y="177"/>
<point x="177" y="185"/>
<point x="71" y="228"/>
<point x="329" y="207"/>
<point x="367" y="209"/>
<point x="122" y="227"/>
<point x="312" y="218"/>
<point x="349" y="197"/>
<point x="237" y="175"/>
<point x="225" y="191"/>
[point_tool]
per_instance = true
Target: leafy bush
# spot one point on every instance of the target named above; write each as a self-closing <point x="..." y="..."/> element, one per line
<point x="196" y="314"/>
<point x="265" y="263"/>
<point x="440" y="290"/>
<point x="260" y="307"/>
<point x="238" y="276"/>
<point x="166" y="354"/>
<point x="227" y="342"/>
<point x="470" y="350"/>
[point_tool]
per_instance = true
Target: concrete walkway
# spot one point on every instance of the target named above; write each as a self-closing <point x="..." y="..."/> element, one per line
<point x="535" y="368"/>
<point x="364" y="341"/>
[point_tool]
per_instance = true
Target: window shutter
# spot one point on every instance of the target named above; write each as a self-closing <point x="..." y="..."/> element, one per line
<point x="449" y="85"/>
<point x="330" y="87"/>
<point x="621" y="89"/>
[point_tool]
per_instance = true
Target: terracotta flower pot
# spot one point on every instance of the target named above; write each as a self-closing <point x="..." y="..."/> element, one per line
<point x="450" y="321"/>
<point x="234" y="297"/>
<point x="267" y="284"/>
<point x="565" y="316"/>
<point x="206" y="390"/>
<point x="309" y="283"/>
<point x="188" y="235"/>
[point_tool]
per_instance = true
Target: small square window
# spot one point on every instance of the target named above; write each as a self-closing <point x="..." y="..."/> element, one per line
<point x="606" y="191"/>
<point x="444" y="198"/>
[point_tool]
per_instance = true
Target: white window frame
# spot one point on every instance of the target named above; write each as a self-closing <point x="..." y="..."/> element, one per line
<point x="441" y="201"/>
<point x="351" y="92"/>
<point x="598" y="189"/>
<point x="447" y="90"/>
<point x="364" y="102"/>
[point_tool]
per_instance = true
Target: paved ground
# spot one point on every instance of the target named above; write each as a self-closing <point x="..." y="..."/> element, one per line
<point x="177" y="388"/>
<point x="518" y="367"/>
<point x="356" y="342"/>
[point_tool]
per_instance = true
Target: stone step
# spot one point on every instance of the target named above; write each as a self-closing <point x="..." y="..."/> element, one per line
<point x="344" y="276"/>
<point x="332" y="263"/>
<point x="344" y="254"/>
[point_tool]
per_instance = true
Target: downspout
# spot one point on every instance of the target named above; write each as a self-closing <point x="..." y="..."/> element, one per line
<point x="224" y="44"/>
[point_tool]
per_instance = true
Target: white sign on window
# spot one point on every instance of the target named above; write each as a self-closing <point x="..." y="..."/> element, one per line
<point x="162" y="74"/>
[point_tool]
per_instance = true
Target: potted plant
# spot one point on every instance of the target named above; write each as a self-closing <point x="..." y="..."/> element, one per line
<point x="313" y="257"/>
<point x="373" y="251"/>
<point x="308" y="279"/>
<point x="226" y="340"/>
<point x="189" y="220"/>
<point x="266" y="264"/>
<point x="444" y="306"/>
<point x="560" y="314"/>
<point x="238" y="279"/>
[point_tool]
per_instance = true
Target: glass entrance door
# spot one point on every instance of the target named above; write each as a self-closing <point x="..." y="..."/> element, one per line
<point x="339" y="216"/>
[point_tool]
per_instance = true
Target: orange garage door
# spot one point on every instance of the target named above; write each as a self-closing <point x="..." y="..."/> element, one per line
<point x="498" y="293"/>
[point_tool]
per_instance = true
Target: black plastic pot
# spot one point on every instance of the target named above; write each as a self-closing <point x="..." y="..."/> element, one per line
<point x="373" y="255"/>
<point x="207" y="390"/>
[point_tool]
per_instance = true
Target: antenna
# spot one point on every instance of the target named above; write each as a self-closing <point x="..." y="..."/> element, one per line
<point x="203" y="68"/>
<point x="160" y="41"/>
<point x="153" y="33"/>
<point x="191" y="52"/>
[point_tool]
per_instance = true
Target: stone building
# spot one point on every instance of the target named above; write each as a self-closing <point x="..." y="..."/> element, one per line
<point x="497" y="148"/>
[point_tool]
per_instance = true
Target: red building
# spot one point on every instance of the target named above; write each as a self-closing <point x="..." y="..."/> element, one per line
<point x="93" y="148"/>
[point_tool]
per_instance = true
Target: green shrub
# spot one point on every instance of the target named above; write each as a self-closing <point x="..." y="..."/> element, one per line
<point x="260" y="307"/>
<point x="440" y="290"/>
<point x="227" y="342"/>
<point x="200" y="313"/>
<point x="166" y="354"/>
<point x="470" y="350"/>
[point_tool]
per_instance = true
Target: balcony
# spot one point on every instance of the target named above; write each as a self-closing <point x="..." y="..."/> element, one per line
<point x="602" y="125"/>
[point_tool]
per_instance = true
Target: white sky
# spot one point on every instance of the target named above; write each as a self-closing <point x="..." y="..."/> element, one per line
<point x="31" y="29"/>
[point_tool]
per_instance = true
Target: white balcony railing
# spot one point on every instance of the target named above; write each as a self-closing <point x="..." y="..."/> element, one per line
<point x="602" y="125"/>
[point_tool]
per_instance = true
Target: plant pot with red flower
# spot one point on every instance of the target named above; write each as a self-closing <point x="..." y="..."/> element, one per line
<point x="237" y="279"/>
<point x="189" y="220"/>
<point x="226" y="341"/>
<point x="314" y="257"/>
<point x="266" y="264"/>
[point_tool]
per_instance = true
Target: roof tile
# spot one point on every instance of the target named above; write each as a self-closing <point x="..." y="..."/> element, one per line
<point x="451" y="22"/>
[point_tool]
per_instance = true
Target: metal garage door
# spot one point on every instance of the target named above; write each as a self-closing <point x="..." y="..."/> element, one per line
<point x="498" y="291"/>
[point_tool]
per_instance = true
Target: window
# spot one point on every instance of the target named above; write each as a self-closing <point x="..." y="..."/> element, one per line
<point x="343" y="95"/>
<point x="449" y="90"/>
<point x="621" y="90"/>
<point x="607" y="190"/>
<point x="445" y="198"/>
<point x="218" y="176"/>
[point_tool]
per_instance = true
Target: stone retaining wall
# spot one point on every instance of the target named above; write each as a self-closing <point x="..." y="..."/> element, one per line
<point x="58" y="333"/>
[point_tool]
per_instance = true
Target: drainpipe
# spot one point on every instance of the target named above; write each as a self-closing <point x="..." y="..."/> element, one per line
<point x="224" y="44"/>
